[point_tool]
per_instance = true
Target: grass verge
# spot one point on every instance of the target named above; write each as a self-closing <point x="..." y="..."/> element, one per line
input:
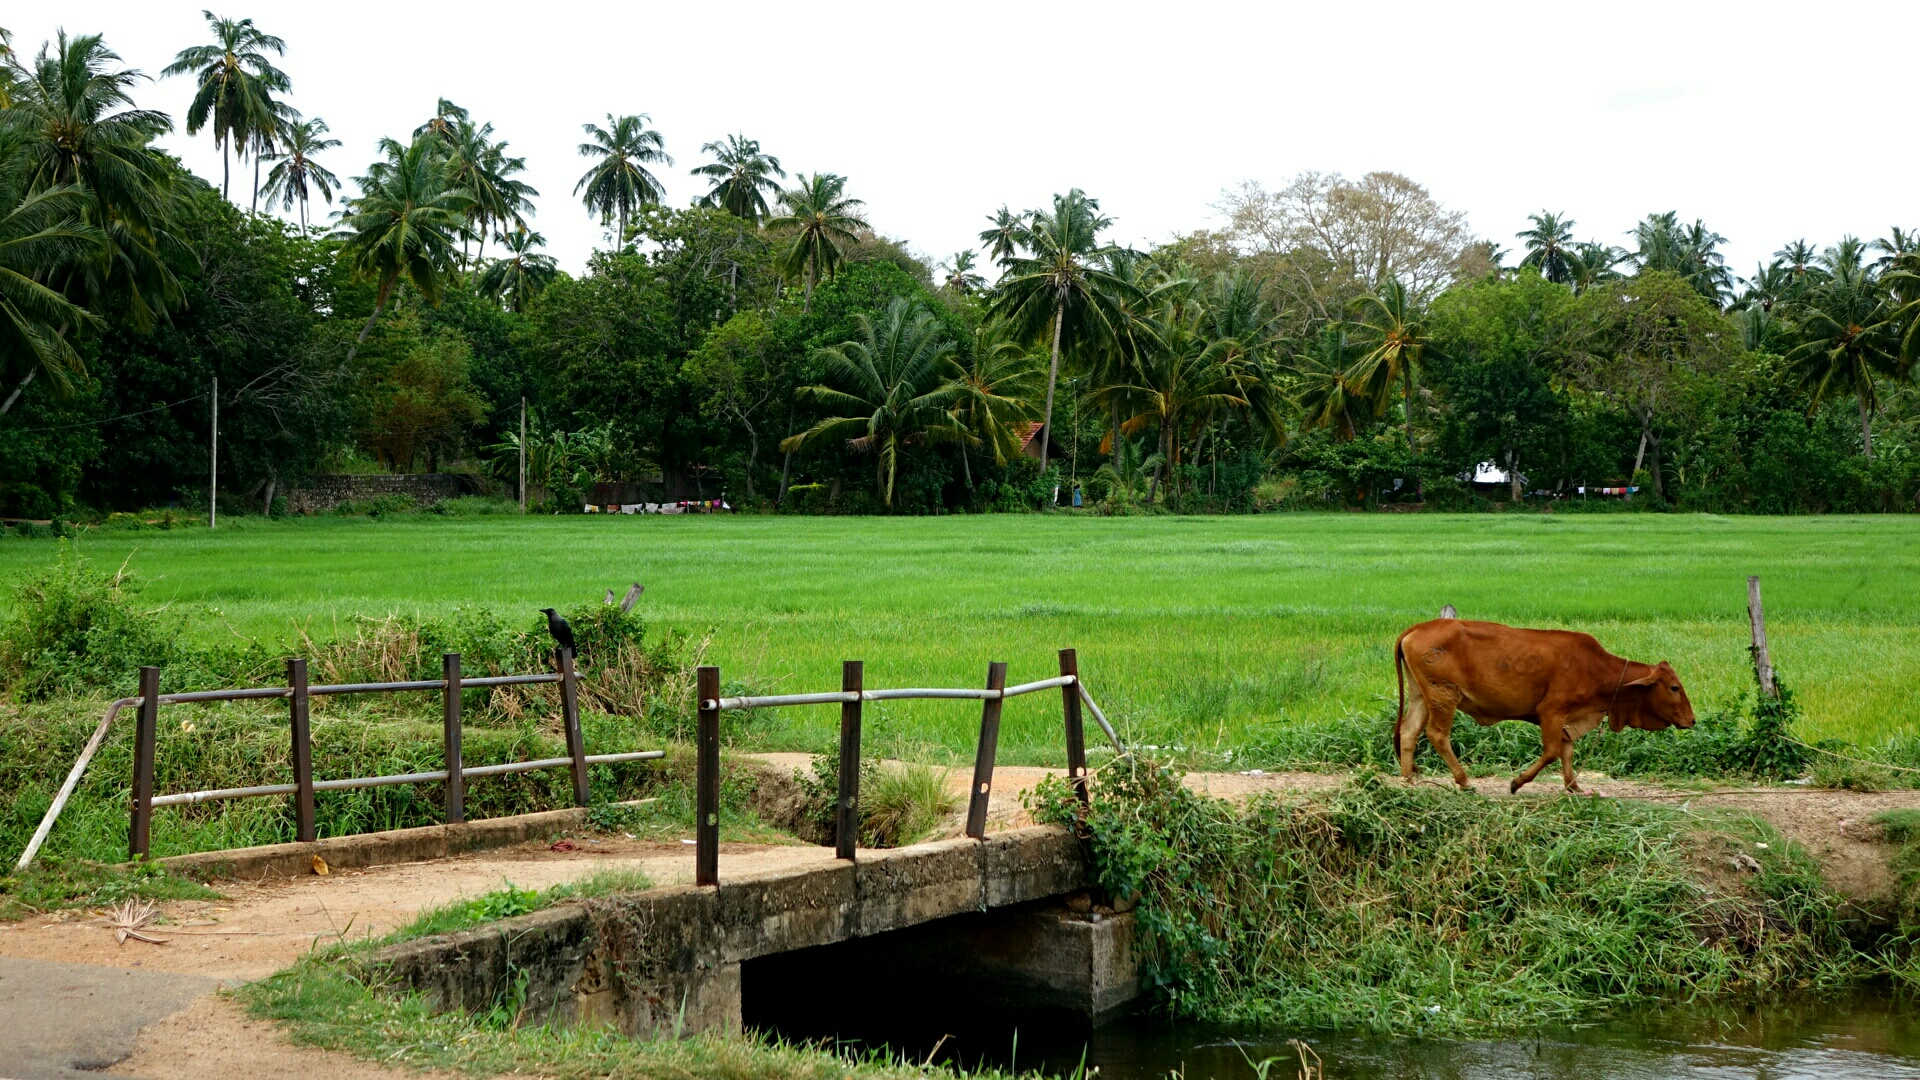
<point x="54" y="884"/>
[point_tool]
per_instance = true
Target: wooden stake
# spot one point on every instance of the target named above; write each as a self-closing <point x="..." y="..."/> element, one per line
<point x="146" y="726"/>
<point x="450" y="717"/>
<point x="983" y="757"/>
<point x="846" y="810"/>
<point x="1076" y="730"/>
<point x="1762" y="659"/>
<point x="570" y="717"/>
<point x="304" y="828"/>
<point x="706" y="798"/>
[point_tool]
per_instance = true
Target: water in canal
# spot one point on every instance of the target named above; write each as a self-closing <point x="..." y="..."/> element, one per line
<point x="1869" y="1035"/>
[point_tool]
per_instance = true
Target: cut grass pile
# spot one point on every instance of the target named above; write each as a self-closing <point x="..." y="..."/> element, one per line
<point x="1194" y="632"/>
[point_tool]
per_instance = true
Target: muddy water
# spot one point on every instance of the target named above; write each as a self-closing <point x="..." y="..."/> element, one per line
<point x="1865" y="1036"/>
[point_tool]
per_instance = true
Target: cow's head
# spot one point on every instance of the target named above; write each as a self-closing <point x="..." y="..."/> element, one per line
<point x="1662" y="702"/>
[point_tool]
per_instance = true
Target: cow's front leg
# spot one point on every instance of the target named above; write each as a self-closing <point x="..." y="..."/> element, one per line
<point x="1550" y="734"/>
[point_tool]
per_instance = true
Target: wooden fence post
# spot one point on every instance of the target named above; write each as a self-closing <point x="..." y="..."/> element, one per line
<point x="983" y="756"/>
<point x="304" y="829"/>
<point x="846" y="813"/>
<point x="450" y="717"/>
<point x="570" y="717"/>
<point x="1762" y="659"/>
<point x="706" y="799"/>
<point x="146" y="727"/>
<point x="1076" y="731"/>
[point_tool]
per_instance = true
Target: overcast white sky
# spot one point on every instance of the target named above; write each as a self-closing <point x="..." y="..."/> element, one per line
<point x="1771" y="121"/>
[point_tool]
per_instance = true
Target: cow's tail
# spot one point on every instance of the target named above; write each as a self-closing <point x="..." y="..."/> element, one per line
<point x="1400" y="679"/>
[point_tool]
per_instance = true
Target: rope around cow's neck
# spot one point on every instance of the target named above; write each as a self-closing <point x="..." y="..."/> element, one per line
<point x="1617" y="688"/>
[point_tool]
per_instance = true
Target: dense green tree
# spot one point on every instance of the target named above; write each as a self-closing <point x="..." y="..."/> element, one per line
<point x="619" y="183"/>
<point x="998" y="380"/>
<point x="236" y="84"/>
<point x="1849" y="340"/>
<point x="1390" y="335"/>
<point x="46" y="228"/>
<point x="740" y="369"/>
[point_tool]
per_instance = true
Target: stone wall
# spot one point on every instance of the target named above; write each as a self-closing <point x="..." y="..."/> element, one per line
<point x="324" y="491"/>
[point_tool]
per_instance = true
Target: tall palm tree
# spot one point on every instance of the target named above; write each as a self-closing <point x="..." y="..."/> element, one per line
<point x="404" y="223"/>
<point x="237" y="83"/>
<point x="1005" y="236"/>
<point x="1550" y="246"/>
<point x="73" y="124"/>
<point x="1800" y="258"/>
<point x="742" y="176"/>
<point x="446" y="115"/>
<point x="819" y="217"/>
<point x="7" y="70"/>
<point x="1691" y="251"/>
<point x="893" y="385"/>
<point x="296" y="176"/>
<point x="483" y="168"/>
<point x="41" y="230"/>
<point x="1595" y="264"/>
<point x="517" y="277"/>
<point x="1320" y="388"/>
<point x="996" y="382"/>
<point x="1392" y="341"/>
<point x="1062" y="285"/>
<point x="619" y="183"/>
<point x="1848" y="339"/>
<point x="1181" y="383"/>
<point x="960" y="275"/>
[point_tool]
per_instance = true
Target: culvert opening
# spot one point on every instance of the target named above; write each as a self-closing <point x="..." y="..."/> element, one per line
<point x="970" y="990"/>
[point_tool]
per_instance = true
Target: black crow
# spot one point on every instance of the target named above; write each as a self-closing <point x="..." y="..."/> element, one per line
<point x="557" y="626"/>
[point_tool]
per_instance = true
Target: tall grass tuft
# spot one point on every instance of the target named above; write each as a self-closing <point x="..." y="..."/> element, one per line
<point x="1413" y="910"/>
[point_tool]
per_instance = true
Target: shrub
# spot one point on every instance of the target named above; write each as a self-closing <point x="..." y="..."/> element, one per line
<point x="76" y="629"/>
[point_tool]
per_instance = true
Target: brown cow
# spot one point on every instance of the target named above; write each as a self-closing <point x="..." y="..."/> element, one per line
<point x="1559" y="679"/>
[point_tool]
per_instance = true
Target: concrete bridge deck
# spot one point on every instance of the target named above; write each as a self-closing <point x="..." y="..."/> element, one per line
<point x="984" y="917"/>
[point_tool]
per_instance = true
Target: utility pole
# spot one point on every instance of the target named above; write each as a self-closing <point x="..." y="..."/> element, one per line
<point x="523" y="453"/>
<point x="213" y="461"/>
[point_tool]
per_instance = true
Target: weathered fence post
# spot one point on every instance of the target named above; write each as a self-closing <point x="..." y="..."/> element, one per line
<point x="1762" y="659"/>
<point x="983" y="757"/>
<point x="570" y="717"/>
<point x="303" y="824"/>
<point x="846" y="813"/>
<point x="706" y="798"/>
<point x="450" y="716"/>
<point x="1076" y="731"/>
<point x="146" y="727"/>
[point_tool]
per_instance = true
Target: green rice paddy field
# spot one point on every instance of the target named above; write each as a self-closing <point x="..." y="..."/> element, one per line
<point x="1192" y="631"/>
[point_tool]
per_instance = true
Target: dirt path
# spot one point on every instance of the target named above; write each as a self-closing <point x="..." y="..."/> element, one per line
<point x="260" y="927"/>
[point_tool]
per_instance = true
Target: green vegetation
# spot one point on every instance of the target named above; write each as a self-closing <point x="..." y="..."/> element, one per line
<point x="1413" y="911"/>
<point x="508" y="902"/>
<point x="54" y="883"/>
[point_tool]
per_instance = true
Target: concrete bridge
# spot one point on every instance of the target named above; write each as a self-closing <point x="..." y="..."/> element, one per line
<point x="1006" y="920"/>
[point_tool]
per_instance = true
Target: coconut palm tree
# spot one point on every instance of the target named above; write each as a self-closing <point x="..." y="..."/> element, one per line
<point x="236" y="86"/>
<point x="446" y="116"/>
<point x="41" y="230"/>
<point x="72" y="124"/>
<point x="296" y="176"/>
<point x="1062" y="288"/>
<point x="1549" y="246"/>
<point x="897" y="383"/>
<point x="1320" y="388"/>
<point x="1392" y="341"/>
<point x="818" y="217"/>
<point x="518" y="276"/>
<point x="1005" y="236"/>
<point x="1181" y="383"/>
<point x="1800" y="258"/>
<point x="7" y="63"/>
<point x="1595" y="264"/>
<point x="404" y="223"/>
<point x="742" y="176"/>
<point x="619" y="183"/>
<point x="1849" y="338"/>
<point x="997" y="383"/>
<point x="484" y="169"/>
<point x="960" y="275"/>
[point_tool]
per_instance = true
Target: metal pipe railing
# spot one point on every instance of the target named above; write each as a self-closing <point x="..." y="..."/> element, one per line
<point x="727" y="704"/>
<point x="189" y="798"/>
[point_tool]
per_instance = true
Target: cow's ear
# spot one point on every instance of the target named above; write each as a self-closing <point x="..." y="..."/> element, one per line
<point x="1651" y="678"/>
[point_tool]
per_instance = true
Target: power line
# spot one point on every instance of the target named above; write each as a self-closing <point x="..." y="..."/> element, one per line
<point x="109" y="420"/>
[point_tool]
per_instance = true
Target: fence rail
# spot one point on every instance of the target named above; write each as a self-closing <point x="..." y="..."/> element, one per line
<point x="304" y="786"/>
<point x="850" y="697"/>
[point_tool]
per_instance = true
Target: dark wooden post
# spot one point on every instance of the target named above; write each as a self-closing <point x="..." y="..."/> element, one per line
<point x="146" y="727"/>
<point x="303" y="825"/>
<point x="983" y="756"/>
<point x="1762" y="659"/>
<point x="706" y="798"/>
<point x="570" y="718"/>
<point x="846" y="815"/>
<point x="1076" y="731"/>
<point x="450" y="717"/>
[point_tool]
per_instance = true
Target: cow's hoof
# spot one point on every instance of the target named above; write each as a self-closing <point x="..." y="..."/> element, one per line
<point x="1513" y="786"/>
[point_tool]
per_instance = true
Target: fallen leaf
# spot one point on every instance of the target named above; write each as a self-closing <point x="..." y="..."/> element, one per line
<point x="320" y="866"/>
